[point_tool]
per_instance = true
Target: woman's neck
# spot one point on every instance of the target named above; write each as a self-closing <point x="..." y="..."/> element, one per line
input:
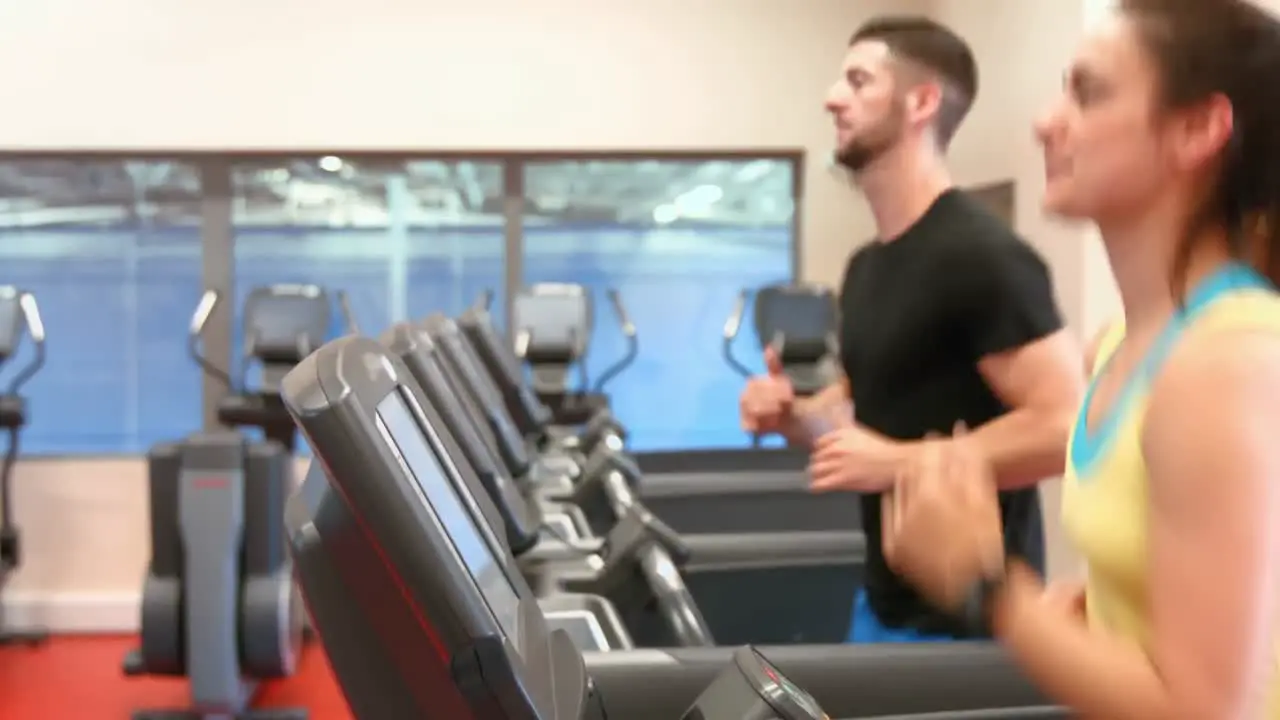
<point x="1143" y="254"/>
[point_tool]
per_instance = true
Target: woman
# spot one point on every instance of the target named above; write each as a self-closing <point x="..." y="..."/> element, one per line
<point x="1168" y="138"/>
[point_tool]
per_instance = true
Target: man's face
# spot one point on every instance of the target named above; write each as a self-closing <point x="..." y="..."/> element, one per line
<point x="866" y="106"/>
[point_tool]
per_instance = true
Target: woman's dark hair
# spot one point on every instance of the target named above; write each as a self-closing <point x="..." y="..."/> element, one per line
<point x="1204" y="48"/>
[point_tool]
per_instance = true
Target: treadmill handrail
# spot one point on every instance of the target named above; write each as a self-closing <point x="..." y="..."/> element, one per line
<point x="657" y="485"/>
<point x="675" y="602"/>
<point x="632" y="340"/>
<point x="30" y="310"/>
<point x="732" y="327"/>
<point x="846" y="680"/>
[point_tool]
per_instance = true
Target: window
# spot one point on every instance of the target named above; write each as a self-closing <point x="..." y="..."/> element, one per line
<point x="401" y="239"/>
<point x="111" y="250"/>
<point x="678" y="240"/>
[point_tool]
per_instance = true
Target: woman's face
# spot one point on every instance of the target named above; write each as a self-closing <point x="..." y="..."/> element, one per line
<point x="1103" y="151"/>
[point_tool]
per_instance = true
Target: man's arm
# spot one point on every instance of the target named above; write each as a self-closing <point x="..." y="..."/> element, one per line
<point x="1028" y="360"/>
<point x="1041" y="385"/>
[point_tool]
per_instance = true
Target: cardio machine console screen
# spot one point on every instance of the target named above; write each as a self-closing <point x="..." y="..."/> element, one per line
<point x="751" y="688"/>
<point x="789" y="701"/>
<point x="468" y="539"/>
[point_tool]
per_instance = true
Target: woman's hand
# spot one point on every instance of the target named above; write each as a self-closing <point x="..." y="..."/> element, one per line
<point x="1068" y="598"/>
<point x="941" y="525"/>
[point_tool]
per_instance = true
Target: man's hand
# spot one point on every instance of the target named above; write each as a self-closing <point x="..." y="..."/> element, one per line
<point x="767" y="402"/>
<point x="853" y="458"/>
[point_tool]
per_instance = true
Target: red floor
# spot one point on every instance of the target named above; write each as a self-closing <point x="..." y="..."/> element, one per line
<point x="80" y="679"/>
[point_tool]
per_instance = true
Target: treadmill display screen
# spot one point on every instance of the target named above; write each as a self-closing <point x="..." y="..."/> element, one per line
<point x="468" y="539"/>
<point x="801" y="698"/>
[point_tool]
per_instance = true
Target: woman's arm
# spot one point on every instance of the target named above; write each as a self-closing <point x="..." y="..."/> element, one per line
<point x="1212" y="446"/>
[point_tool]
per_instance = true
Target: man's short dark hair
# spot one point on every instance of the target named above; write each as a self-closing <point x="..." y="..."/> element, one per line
<point x="937" y="49"/>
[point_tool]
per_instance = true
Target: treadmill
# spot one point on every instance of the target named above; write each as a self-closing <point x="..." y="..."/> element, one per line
<point x="772" y="494"/>
<point x="800" y="584"/>
<point x="422" y="618"/>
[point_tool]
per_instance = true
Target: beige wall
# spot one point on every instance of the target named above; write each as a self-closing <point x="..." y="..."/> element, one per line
<point x="85" y="544"/>
<point x="386" y="74"/>
<point x="666" y="74"/>
<point x="437" y="74"/>
<point x="1022" y="48"/>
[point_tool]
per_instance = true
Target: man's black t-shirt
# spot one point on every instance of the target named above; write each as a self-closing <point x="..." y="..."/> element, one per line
<point x="917" y="314"/>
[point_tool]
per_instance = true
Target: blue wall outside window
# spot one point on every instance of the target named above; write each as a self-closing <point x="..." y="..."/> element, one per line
<point x="117" y="293"/>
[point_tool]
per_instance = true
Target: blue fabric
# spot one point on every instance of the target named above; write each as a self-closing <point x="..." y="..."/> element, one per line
<point x="865" y="627"/>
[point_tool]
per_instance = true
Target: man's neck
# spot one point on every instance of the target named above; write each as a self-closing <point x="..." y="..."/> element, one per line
<point x="901" y="186"/>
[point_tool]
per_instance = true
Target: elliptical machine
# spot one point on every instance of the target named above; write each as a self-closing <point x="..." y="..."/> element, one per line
<point x="19" y="315"/>
<point x="800" y="324"/>
<point x="553" y="323"/>
<point x="219" y="605"/>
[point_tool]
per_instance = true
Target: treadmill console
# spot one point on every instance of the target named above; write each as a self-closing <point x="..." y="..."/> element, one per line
<point x="751" y="688"/>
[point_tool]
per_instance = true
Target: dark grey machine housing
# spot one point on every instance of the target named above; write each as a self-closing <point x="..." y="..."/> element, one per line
<point x="520" y="519"/>
<point x="408" y="638"/>
<point x="753" y="587"/>
<point x="692" y="491"/>
<point x="392" y="602"/>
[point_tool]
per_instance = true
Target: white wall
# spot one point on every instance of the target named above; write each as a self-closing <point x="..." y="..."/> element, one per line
<point x="392" y="75"/>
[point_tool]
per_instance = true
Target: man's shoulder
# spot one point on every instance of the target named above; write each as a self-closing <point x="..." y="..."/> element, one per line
<point x="969" y="218"/>
<point x="857" y="257"/>
<point x="984" y="243"/>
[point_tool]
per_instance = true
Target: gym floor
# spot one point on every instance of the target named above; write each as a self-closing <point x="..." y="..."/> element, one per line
<point x="74" y="678"/>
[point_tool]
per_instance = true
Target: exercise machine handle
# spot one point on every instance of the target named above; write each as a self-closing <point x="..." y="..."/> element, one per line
<point x="628" y="332"/>
<point x="204" y="310"/>
<point x="734" y="324"/>
<point x="731" y="328"/>
<point x="31" y="314"/>
<point x="348" y="316"/>
<point x="615" y="299"/>
<point x="674" y="600"/>
<point x="35" y="328"/>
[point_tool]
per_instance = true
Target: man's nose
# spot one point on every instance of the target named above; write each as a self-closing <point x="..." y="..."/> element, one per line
<point x="833" y="103"/>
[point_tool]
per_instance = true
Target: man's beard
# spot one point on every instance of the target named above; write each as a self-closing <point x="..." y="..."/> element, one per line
<point x="870" y="145"/>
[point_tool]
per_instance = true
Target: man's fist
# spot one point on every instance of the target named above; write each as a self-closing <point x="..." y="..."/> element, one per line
<point x="767" y="401"/>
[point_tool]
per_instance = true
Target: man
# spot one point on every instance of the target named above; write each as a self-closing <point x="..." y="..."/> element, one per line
<point x="948" y="317"/>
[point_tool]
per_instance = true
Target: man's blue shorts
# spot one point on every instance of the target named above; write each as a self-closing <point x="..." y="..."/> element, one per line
<point x="865" y="627"/>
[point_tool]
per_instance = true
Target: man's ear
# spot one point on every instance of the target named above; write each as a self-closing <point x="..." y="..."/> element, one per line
<point x="924" y="102"/>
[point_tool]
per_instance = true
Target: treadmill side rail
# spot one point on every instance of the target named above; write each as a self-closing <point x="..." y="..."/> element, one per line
<point x="848" y="681"/>
<point x="723" y="551"/>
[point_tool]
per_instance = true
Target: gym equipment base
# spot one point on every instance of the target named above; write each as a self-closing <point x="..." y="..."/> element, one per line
<point x="30" y="638"/>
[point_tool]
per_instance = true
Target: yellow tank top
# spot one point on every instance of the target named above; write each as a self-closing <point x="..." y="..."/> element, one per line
<point x="1104" y="492"/>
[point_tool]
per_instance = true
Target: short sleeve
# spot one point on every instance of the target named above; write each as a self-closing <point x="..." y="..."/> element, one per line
<point x="1010" y="300"/>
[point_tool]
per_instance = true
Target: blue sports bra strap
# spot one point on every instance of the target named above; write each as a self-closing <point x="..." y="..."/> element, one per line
<point x="1232" y="277"/>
